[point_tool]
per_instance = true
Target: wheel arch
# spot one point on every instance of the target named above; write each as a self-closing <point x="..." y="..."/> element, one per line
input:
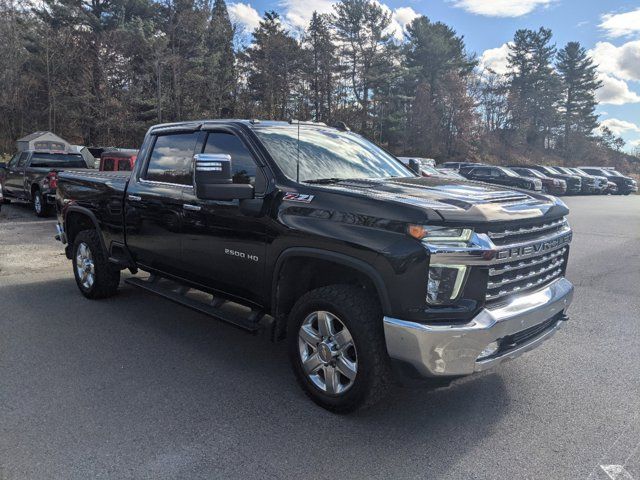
<point x="290" y="281"/>
<point x="79" y="218"/>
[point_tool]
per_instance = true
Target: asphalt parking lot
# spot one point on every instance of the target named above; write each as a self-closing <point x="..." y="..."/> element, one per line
<point x="138" y="387"/>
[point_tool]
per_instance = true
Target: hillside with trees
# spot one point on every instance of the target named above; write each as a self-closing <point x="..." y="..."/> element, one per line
<point x="102" y="72"/>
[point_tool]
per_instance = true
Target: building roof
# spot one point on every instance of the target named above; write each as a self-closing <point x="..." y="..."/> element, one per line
<point x="34" y="135"/>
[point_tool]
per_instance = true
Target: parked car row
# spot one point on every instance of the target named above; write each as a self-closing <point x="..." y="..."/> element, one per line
<point x="31" y="175"/>
<point x="553" y="180"/>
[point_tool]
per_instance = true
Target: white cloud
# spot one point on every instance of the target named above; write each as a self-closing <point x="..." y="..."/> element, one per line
<point x="622" y="62"/>
<point x="297" y="13"/>
<point x="618" y="127"/>
<point x="405" y="15"/>
<point x="400" y="18"/>
<point x="621" y="24"/>
<point x="496" y="59"/>
<point x="615" y="91"/>
<point x="244" y="15"/>
<point x="501" y="8"/>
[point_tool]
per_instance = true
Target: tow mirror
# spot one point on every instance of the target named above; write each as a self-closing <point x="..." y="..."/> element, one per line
<point x="213" y="179"/>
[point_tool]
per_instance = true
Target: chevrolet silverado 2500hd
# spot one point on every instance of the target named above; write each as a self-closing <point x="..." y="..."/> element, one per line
<point x="32" y="175"/>
<point x="367" y="269"/>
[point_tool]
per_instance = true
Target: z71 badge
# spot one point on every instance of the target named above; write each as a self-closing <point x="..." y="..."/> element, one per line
<point x="298" y="197"/>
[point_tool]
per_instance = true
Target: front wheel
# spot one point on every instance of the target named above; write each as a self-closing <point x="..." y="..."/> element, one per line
<point x="95" y="276"/>
<point x="337" y="348"/>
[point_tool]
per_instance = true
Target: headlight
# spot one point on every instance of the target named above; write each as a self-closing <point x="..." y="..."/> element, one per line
<point x="556" y="183"/>
<point x="445" y="283"/>
<point x="440" y="235"/>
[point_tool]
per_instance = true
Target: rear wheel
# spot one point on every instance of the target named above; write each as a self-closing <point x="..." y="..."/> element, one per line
<point x="95" y="276"/>
<point x="337" y="348"/>
<point x="40" y="208"/>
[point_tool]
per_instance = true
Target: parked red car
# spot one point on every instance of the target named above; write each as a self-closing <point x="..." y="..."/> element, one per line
<point x="118" y="160"/>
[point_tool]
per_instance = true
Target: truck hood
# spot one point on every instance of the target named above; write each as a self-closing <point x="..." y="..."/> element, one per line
<point x="456" y="200"/>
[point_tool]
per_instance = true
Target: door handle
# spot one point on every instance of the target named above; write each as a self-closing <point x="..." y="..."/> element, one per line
<point x="134" y="198"/>
<point x="193" y="208"/>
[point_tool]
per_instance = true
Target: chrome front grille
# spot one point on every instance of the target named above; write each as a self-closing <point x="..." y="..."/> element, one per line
<point x="536" y="271"/>
<point x="511" y="235"/>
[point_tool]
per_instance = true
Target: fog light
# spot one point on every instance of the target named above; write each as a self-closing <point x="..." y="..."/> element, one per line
<point x="488" y="350"/>
<point x="445" y="283"/>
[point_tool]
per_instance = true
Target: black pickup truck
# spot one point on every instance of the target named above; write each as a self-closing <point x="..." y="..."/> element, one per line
<point x="31" y="175"/>
<point x="369" y="271"/>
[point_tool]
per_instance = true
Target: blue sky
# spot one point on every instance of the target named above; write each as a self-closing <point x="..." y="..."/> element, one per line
<point x="609" y="29"/>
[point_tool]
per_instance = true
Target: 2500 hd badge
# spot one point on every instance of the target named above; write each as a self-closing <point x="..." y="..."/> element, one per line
<point x="236" y="253"/>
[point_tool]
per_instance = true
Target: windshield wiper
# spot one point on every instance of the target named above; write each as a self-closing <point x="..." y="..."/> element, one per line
<point x="324" y="181"/>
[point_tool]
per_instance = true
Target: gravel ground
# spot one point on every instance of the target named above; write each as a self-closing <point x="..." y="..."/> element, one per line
<point x="138" y="387"/>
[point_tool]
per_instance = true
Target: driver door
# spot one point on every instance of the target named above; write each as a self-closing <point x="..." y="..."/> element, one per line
<point x="14" y="182"/>
<point x="223" y="247"/>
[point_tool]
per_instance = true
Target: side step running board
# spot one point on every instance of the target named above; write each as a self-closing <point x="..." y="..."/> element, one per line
<point x="250" y="323"/>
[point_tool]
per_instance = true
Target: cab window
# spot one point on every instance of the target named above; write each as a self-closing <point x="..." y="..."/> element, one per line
<point x="14" y="160"/>
<point x="107" y="164"/>
<point x="171" y="160"/>
<point x="23" y="159"/>
<point x="244" y="168"/>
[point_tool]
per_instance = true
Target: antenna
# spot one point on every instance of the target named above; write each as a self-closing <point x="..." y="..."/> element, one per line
<point x="298" y="156"/>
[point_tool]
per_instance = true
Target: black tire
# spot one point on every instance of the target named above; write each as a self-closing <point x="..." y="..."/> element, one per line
<point x="106" y="277"/>
<point x="362" y="316"/>
<point x="40" y="208"/>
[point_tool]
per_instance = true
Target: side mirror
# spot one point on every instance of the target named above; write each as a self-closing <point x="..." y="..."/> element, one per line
<point x="3" y="165"/>
<point x="414" y="166"/>
<point x="213" y="179"/>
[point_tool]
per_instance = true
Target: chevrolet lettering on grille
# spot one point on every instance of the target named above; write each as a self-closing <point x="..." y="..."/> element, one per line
<point x="534" y="248"/>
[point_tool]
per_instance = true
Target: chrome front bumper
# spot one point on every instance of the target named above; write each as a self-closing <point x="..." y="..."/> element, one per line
<point x="438" y="349"/>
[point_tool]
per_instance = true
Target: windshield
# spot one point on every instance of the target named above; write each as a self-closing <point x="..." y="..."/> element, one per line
<point x="57" y="160"/>
<point x="580" y="172"/>
<point x="429" y="170"/>
<point x="534" y="173"/>
<point x="509" y="172"/>
<point x="326" y="153"/>
<point x="551" y="170"/>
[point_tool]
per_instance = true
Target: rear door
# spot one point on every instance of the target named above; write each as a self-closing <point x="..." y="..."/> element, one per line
<point x="223" y="248"/>
<point x="153" y="202"/>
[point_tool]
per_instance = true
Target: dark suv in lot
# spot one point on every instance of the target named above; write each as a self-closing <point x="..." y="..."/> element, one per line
<point x="626" y="185"/>
<point x="554" y="186"/>
<point x="501" y="176"/>
<point x="574" y="182"/>
<point x="590" y="183"/>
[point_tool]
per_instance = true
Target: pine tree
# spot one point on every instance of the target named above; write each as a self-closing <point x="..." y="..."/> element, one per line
<point x="534" y="87"/>
<point x="220" y="62"/>
<point x="579" y="85"/>
<point x="367" y="50"/>
<point x="274" y="65"/>
<point x="321" y="70"/>
<point x="437" y="67"/>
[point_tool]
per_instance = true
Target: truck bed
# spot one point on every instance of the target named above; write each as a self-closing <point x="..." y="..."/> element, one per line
<point x="101" y="193"/>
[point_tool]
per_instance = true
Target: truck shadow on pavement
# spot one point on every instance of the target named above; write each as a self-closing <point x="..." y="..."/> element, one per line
<point x="163" y="388"/>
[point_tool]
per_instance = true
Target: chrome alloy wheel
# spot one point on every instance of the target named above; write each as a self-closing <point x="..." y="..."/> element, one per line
<point x="37" y="204"/>
<point x="327" y="352"/>
<point x="84" y="266"/>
